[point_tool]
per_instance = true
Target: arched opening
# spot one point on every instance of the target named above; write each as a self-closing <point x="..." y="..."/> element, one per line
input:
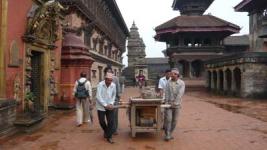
<point x="228" y="76"/>
<point x="197" y="68"/>
<point x="209" y="80"/>
<point x="221" y="80"/>
<point x="187" y="42"/>
<point x="183" y="67"/>
<point x="207" y="42"/>
<point x="237" y="77"/>
<point x="215" y="79"/>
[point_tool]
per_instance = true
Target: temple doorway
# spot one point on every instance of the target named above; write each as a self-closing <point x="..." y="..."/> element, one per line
<point x="183" y="67"/>
<point x="37" y="81"/>
<point x="197" y="68"/>
<point x="237" y="77"/>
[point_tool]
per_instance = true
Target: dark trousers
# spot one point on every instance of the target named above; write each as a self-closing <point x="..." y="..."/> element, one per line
<point x="107" y="126"/>
<point x="116" y="115"/>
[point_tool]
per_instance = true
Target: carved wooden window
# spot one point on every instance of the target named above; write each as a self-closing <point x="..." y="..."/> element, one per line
<point x="115" y="72"/>
<point x="100" y="75"/>
<point x="94" y="43"/>
<point x="93" y="73"/>
<point x="87" y="39"/>
<point x="101" y="45"/>
<point x="207" y="41"/>
<point x="187" y="42"/>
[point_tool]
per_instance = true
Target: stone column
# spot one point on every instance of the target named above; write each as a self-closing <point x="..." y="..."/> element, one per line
<point x="225" y="81"/>
<point x="190" y="69"/>
<point x="3" y="25"/>
<point x="218" y="80"/>
<point x="233" y="86"/>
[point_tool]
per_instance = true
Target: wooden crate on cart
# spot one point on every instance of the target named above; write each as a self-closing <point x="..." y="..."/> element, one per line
<point x="145" y="115"/>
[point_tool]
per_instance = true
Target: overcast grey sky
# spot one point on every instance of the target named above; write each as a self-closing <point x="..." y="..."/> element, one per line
<point x="148" y="14"/>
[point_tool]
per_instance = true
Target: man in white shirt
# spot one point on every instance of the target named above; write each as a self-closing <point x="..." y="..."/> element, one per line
<point x="173" y="95"/>
<point x="163" y="81"/>
<point x="83" y="93"/>
<point x="115" y="80"/>
<point x="162" y="87"/>
<point x="105" y="99"/>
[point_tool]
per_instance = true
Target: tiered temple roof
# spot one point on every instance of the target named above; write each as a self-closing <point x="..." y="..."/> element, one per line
<point x="205" y="23"/>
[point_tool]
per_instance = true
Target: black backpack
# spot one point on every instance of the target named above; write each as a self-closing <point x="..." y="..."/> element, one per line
<point x="81" y="91"/>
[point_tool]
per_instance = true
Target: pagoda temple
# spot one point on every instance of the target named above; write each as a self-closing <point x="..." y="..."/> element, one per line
<point x="192" y="37"/>
<point x="136" y="56"/>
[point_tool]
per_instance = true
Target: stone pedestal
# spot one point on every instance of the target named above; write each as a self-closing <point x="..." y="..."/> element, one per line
<point x="74" y="60"/>
<point x="7" y="116"/>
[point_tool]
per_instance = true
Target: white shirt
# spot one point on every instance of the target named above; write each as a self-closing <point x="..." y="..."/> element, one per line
<point x="105" y="95"/>
<point x="162" y="84"/>
<point x="87" y="86"/>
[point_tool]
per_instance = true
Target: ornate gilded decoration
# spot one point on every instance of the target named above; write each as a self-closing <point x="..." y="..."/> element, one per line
<point x="43" y="22"/>
<point x="53" y="90"/>
<point x="44" y="19"/>
<point x="17" y="88"/>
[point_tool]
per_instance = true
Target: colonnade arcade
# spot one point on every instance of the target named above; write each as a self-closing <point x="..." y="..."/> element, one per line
<point x="225" y="80"/>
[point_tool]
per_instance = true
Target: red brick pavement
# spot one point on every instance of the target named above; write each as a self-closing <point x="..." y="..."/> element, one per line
<point x="201" y="126"/>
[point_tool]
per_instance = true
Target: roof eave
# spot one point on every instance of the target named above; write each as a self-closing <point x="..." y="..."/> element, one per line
<point x="241" y="6"/>
<point x="119" y="15"/>
<point x="198" y="29"/>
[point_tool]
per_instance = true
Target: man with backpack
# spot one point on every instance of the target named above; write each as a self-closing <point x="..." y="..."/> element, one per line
<point x="83" y="94"/>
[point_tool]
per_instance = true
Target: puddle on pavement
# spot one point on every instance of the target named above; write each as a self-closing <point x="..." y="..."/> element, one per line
<point x="50" y="146"/>
<point x="232" y="108"/>
<point x="88" y="131"/>
<point x="260" y="130"/>
<point x="150" y="147"/>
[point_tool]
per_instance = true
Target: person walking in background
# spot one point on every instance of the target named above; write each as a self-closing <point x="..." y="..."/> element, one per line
<point x="175" y="88"/>
<point x="83" y="93"/>
<point x="163" y="82"/>
<point x="140" y="79"/>
<point x="105" y="99"/>
<point x="115" y="80"/>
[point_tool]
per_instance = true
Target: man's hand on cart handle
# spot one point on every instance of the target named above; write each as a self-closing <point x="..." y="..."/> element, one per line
<point x="109" y="107"/>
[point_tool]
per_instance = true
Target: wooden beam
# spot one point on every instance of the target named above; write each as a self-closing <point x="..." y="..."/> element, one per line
<point x="3" y="40"/>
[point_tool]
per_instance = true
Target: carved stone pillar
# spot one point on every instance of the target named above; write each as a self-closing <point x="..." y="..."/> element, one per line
<point x="218" y="80"/>
<point x="212" y="80"/>
<point x="190" y="69"/>
<point x="233" y="86"/>
<point x="225" y="88"/>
